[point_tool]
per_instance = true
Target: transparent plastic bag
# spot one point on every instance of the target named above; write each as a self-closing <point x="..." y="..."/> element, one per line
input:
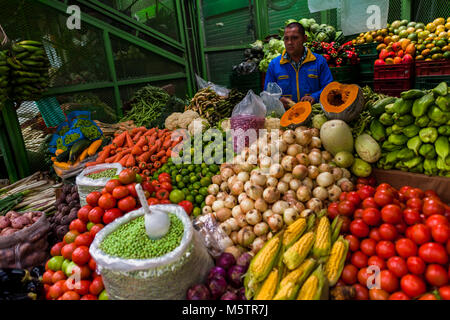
<point x="164" y="278"/>
<point x="363" y="15"/>
<point x="87" y="185"/>
<point x="221" y="91"/>
<point x="214" y="238"/>
<point x="321" y="5"/>
<point x="271" y="99"/>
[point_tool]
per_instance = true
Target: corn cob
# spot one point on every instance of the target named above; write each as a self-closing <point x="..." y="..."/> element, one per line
<point x="336" y="261"/>
<point x="262" y="264"/>
<point x="269" y="287"/>
<point x="322" y="244"/>
<point x="294" y="232"/>
<point x="290" y="284"/>
<point x="295" y="255"/>
<point x="336" y="228"/>
<point x="313" y="286"/>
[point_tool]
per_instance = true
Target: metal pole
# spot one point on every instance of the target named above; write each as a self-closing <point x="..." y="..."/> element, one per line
<point x="112" y="70"/>
<point x="262" y="19"/>
<point x="183" y="35"/>
<point x="7" y="154"/>
<point x="201" y="33"/>
<point x="406" y="9"/>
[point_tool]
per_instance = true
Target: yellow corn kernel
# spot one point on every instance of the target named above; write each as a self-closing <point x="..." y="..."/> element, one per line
<point x="263" y="262"/>
<point x="295" y="255"/>
<point x="294" y="231"/>
<point x="269" y="287"/>
<point x="287" y="292"/>
<point x="336" y="261"/>
<point x="309" y="289"/>
<point x="299" y="275"/>
<point x="322" y="244"/>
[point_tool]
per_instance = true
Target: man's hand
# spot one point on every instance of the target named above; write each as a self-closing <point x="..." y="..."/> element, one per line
<point x="310" y="99"/>
<point x="287" y="103"/>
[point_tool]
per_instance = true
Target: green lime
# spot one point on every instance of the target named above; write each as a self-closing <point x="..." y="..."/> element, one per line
<point x="138" y="178"/>
<point x="174" y="172"/>
<point x="205" y="181"/>
<point x="203" y="191"/>
<point x="205" y="171"/>
<point x="204" y="165"/>
<point x="214" y="168"/>
<point x="194" y="192"/>
<point x="176" y="196"/>
<point x="186" y="191"/>
<point x="55" y="263"/>
<point x="190" y="198"/>
<point x="103" y="295"/>
<point x="186" y="179"/>
<point x="179" y="178"/>
<point x="180" y="184"/>
<point x="197" y="185"/>
<point x="191" y="167"/>
<point x="193" y="179"/>
<point x="203" y="204"/>
<point x="184" y="172"/>
<point x="197" y="211"/>
<point x="199" y="199"/>
<point x="178" y="166"/>
<point x="210" y="175"/>
<point x="198" y="169"/>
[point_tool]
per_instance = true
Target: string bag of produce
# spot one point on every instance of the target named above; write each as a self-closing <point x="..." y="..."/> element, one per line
<point x="94" y="178"/>
<point x="135" y="267"/>
<point x="221" y="91"/>
<point x="247" y="118"/>
<point x="213" y="236"/>
<point x="271" y="99"/>
<point x="23" y="239"/>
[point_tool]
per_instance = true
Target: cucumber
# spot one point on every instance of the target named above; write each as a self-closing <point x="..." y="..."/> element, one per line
<point x="30" y="43"/>
<point x="378" y="108"/>
<point x="77" y="148"/>
<point x="412" y="94"/>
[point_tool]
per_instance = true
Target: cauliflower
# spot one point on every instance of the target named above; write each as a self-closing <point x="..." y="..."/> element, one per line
<point x="171" y="122"/>
<point x="225" y="124"/>
<point x="186" y="118"/>
<point x="272" y="123"/>
<point x="198" y="126"/>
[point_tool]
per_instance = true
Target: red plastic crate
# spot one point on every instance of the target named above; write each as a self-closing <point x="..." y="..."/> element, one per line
<point x="432" y="68"/>
<point x="393" y="71"/>
<point x="392" y="87"/>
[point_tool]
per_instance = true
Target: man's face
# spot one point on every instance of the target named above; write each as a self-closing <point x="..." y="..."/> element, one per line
<point x="293" y="41"/>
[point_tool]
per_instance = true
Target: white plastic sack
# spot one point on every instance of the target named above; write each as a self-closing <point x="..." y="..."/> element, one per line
<point x="164" y="278"/>
<point x="252" y="105"/>
<point x="87" y="185"/>
<point x="271" y="99"/>
<point x="221" y="91"/>
<point x="320" y="5"/>
<point x="363" y="15"/>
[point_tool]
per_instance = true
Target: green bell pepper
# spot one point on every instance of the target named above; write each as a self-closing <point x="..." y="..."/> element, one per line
<point x="412" y="94"/>
<point x="418" y="168"/>
<point x="404" y="120"/>
<point x="405" y="154"/>
<point x="440" y="89"/>
<point x="427" y="151"/>
<point x="428" y="135"/>
<point x="396" y="129"/>
<point x="398" y="139"/>
<point x="442" y="147"/>
<point x="414" y="144"/>
<point x="389" y="146"/>
<point x="386" y="119"/>
<point x="437" y="115"/>
<point x="422" y="121"/>
<point x="388" y="131"/>
<point x="377" y="130"/>
<point x="430" y="167"/>
<point x="402" y="107"/>
<point x="389" y="108"/>
<point x="443" y="102"/>
<point x="411" y="130"/>
<point x="391" y="157"/>
<point x="420" y="106"/>
<point x="444" y="130"/>
<point x="412" y="162"/>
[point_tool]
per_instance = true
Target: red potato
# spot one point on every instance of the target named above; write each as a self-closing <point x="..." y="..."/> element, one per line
<point x="4" y="222"/>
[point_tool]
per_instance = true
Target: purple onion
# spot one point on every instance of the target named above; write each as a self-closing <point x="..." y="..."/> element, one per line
<point x="217" y="286"/>
<point x="198" y="292"/>
<point x="226" y="260"/>
<point x="235" y="275"/>
<point x="244" y="259"/>
<point x="241" y="294"/>
<point x="229" y="296"/>
<point x="216" y="272"/>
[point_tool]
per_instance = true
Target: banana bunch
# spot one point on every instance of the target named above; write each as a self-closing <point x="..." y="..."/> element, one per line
<point x="4" y="72"/>
<point x="29" y="70"/>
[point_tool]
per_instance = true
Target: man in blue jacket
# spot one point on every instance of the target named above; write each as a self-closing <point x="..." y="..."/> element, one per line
<point x="301" y="74"/>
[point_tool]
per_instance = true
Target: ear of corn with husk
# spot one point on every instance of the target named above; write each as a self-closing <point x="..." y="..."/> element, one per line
<point x="294" y="231"/>
<point x="269" y="287"/>
<point x="313" y="286"/>
<point x="295" y="255"/>
<point x="336" y="260"/>
<point x="291" y="283"/>
<point x="322" y="244"/>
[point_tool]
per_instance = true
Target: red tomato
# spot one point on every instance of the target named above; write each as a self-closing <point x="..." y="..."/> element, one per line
<point x="127" y="204"/>
<point x="412" y="285"/>
<point x="359" y="229"/>
<point x="432" y="206"/>
<point x="167" y="186"/>
<point x="111" y="215"/>
<point x="147" y="186"/>
<point x="387" y="232"/>
<point x="92" y="198"/>
<point x="111" y="185"/>
<point x="414" y="203"/>
<point x="448" y="246"/>
<point x="56" y="249"/>
<point x="106" y="201"/>
<point x="436" y="220"/>
<point x="96" y="215"/>
<point x="384" y="186"/>
<point x="405" y="248"/>
<point x="359" y="259"/>
<point x="376" y="261"/>
<point x="436" y="275"/>
<point x="440" y="233"/>
<point x="428" y="296"/>
<point x="430" y="193"/>
<point x="333" y="210"/>
<point x="84" y="239"/>
<point x="353" y="197"/>
<point x="444" y="292"/>
<point x="362" y="293"/>
<point x="369" y="203"/>
<point x="383" y="197"/>
<point x="349" y="274"/>
<point x="358" y="214"/>
<point x="385" y="249"/>
<point x="82" y="271"/>
<point x="432" y="252"/>
<point x="375" y="234"/>
<point x="89" y="297"/>
<point x="366" y="192"/>
<point x="165" y="201"/>
<point x="55" y="291"/>
<point x="368" y="247"/>
<point x="420" y="234"/>
<point x="67" y="250"/>
<point x="152" y="201"/>
<point x="164" y="177"/>
<point x="47" y="277"/>
<point x="78" y="225"/>
<point x="345" y="224"/>
<point x="92" y="264"/>
<point x="378" y="294"/>
<point x="415" y="193"/>
<point x="401" y="228"/>
<point x="397" y="266"/>
<point x="411" y="216"/>
<point x="363" y="276"/>
<point x="353" y="242"/>
<point x="187" y="206"/>
<point x="346" y="208"/>
<point x="391" y="213"/>
<point x="127" y="176"/>
<point x="371" y="216"/>
<point x="132" y="189"/>
<point x="399" y="295"/>
<point x="81" y="255"/>
<point x="120" y="192"/>
<point x="82" y="287"/>
<point x="95" y="229"/>
<point x="58" y="276"/>
<point x="389" y="281"/>
<point x="342" y="196"/>
<point x="70" y="236"/>
<point x="96" y="286"/>
<point x="415" y="265"/>
<point x="84" y="212"/>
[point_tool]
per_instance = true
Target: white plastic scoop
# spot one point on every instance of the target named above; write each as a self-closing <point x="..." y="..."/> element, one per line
<point x="157" y="222"/>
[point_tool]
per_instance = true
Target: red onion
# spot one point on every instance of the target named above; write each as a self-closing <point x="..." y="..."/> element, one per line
<point x="245" y="122"/>
<point x="226" y="260"/>
<point x="235" y="275"/>
<point x="217" y="286"/>
<point x="198" y="292"/>
<point x="241" y="294"/>
<point x="244" y="260"/>
<point x="217" y="272"/>
<point x="229" y="296"/>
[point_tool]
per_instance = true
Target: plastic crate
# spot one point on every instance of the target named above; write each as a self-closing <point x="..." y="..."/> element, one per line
<point x="425" y="83"/>
<point x="367" y="63"/>
<point x="394" y="71"/>
<point x="432" y="68"/>
<point x="392" y="87"/>
<point x="345" y="74"/>
<point x="366" y="49"/>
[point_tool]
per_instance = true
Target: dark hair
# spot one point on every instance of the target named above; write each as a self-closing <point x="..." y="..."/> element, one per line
<point x="297" y="25"/>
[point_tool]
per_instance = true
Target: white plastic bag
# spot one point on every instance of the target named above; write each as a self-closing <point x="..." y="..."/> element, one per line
<point x="363" y="15"/>
<point x="271" y="99"/>
<point x="221" y="91"/>
<point x="214" y="238"/>
<point x="164" y="278"/>
<point x="87" y="185"/>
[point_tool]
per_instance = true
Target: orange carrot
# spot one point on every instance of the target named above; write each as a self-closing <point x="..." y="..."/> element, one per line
<point x="131" y="162"/>
<point x="145" y="148"/>
<point x="130" y="143"/>
<point x="152" y="149"/>
<point x="136" y="150"/>
<point x="142" y="142"/>
<point x="150" y="132"/>
<point x="104" y="154"/>
<point x="137" y="136"/>
<point x="169" y="152"/>
<point x="123" y="161"/>
<point x="144" y="157"/>
<point x="110" y="159"/>
<point x="158" y="144"/>
<point x="152" y="139"/>
<point x="135" y="131"/>
<point x="167" y="144"/>
<point x="161" y="153"/>
<point x="120" y="139"/>
<point x="164" y="159"/>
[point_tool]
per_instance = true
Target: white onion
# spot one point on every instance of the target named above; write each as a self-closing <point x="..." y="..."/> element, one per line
<point x="246" y="236"/>
<point x="217" y="179"/>
<point x="303" y="159"/>
<point x="282" y="187"/>
<point x="288" y="163"/>
<point x="261" y="229"/>
<point x="303" y="193"/>
<point x="276" y="170"/>
<point x="275" y="222"/>
<point x="324" y="167"/>
<point x="314" y="204"/>
<point x="243" y="176"/>
<point x="261" y="205"/>
<point x="233" y="237"/>
<point x="230" y="201"/>
<point x="225" y="228"/>
<point x="221" y="195"/>
<point x="223" y="214"/>
<point x="300" y="171"/>
<point x="209" y="200"/>
<point x="257" y="245"/>
<point x="303" y="137"/>
<point x="346" y="173"/>
<point x="206" y="210"/>
<point x="258" y="179"/>
<point x="320" y="193"/>
<point x="226" y="173"/>
<point x="334" y="192"/>
<point x="255" y="192"/>
<point x="295" y="184"/>
<point x="315" y="158"/>
<point x="271" y="195"/>
<point x="237" y="188"/>
<point x="290" y="215"/>
<point x="232" y="222"/>
<point x="280" y="206"/>
<point x="236" y="211"/>
<point x="313" y="172"/>
<point x="294" y="149"/>
<point x="253" y="217"/>
<point x="308" y="182"/>
<point x="325" y="179"/>
<point x="241" y="221"/>
<point x="247" y="205"/>
<point x="289" y="136"/>
<point x="213" y="189"/>
<point x="218" y="204"/>
<point x="265" y="162"/>
<point x="315" y="142"/>
<point x="272" y="182"/>
<point x="224" y="187"/>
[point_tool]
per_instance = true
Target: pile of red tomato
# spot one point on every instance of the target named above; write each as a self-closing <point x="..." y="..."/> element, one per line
<point x="405" y="233"/>
<point x="71" y="272"/>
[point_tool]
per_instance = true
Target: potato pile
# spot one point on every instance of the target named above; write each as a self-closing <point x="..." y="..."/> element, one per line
<point x="14" y="221"/>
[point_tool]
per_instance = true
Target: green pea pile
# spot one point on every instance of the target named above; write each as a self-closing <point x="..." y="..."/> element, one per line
<point x="108" y="173"/>
<point x="130" y="241"/>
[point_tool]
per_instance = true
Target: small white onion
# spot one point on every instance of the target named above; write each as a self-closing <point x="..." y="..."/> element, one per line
<point x="213" y="189"/>
<point x="253" y="217"/>
<point x="267" y="214"/>
<point x="243" y="176"/>
<point x="218" y="204"/>
<point x="290" y="215"/>
<point x="247" y="205"/>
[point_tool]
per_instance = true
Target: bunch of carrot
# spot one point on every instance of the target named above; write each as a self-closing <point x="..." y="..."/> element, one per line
<point x="142" y="149"/>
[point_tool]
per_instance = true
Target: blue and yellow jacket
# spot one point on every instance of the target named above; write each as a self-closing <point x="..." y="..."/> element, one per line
<point x="312" y="76"/>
